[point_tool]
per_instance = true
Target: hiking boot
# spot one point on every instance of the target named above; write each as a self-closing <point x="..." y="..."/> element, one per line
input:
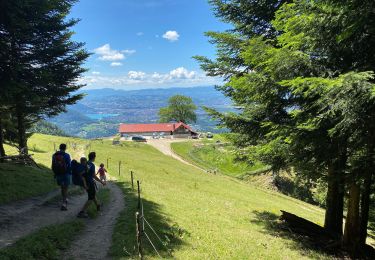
<point x="82" y="214"/>
<point x="63" y="208"/>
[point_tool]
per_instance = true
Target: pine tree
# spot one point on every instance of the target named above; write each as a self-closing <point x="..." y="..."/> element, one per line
<point x="42" y="63"/>
<point x="292" y="89"/>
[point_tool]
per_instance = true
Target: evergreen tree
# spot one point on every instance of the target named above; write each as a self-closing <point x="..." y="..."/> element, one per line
<point x="42" y="63"/>
<point x="304" y="95"/>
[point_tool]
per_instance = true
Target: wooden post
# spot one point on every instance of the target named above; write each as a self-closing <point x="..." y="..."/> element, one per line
<point x="139" y="196"/>
<point x="119" y="168"/>
<point x="138" y="234"/>
<point x="140" y="205"/>
<point x="132" y="178"/>
<point x="54" y="147"/>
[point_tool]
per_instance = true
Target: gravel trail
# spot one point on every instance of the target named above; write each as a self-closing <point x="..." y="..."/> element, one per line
<point x="95" y="241"/>
<point x="21" y="218"/>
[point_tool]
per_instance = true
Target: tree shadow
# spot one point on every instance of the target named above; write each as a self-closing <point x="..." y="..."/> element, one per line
<point x="169" y="234"/>
<point x="302" y="241"/>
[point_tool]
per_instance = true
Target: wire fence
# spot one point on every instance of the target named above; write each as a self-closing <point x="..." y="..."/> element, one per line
<point x="143" y="226"/>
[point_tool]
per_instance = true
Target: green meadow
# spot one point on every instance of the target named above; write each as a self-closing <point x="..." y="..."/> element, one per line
<point x="210" y="155"/>
<point x="196" y="215"/>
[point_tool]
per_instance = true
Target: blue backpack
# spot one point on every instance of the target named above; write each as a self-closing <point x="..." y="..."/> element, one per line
<point x="78" y="171"/>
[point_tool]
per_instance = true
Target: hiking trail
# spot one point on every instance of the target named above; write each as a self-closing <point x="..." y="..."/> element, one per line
<point x="21" y="218"/>
<point x="95" y="240"/>
<point x="164" y="146"/>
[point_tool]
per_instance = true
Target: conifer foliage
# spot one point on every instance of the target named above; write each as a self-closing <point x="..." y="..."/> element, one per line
<point x="302" y="75"/>
<point x="40" y="64"/>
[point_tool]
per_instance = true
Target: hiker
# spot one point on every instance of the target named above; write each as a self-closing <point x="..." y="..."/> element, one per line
<point x="102" y="173"/>
<point x="61" y="166"/>
<point x="79" y="171"/>
<point x="91" y="186"/>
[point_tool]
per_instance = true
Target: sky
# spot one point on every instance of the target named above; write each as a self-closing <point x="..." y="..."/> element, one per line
<point x="139" y="44"/>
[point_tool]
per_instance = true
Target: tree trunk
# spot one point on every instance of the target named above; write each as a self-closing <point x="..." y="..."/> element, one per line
<point x="365" y="205"/>
<point x="351" y="233"/>
<point x="334" y="202"/>
<point x="22" y="140"/>
<point x="2" y="150"/>
<point x="367" y="183"/>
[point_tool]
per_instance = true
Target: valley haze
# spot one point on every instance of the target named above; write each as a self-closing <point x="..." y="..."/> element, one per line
<point x="101" y="111"/>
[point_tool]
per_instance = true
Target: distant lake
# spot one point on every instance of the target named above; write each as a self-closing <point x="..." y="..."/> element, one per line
<point x="100" y="116"/>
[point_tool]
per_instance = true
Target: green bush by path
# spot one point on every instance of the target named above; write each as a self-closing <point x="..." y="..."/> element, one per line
<point x="47" y="243"/>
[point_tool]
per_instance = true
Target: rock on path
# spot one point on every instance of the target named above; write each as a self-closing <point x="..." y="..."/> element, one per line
<point x="95" y="241"/>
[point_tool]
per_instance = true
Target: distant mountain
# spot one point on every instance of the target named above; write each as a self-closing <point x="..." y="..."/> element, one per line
<point x="101" y="110"/>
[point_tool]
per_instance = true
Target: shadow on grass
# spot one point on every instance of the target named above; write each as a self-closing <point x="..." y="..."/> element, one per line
<point x="124" y="236"/>
<point x="272" y="225"/>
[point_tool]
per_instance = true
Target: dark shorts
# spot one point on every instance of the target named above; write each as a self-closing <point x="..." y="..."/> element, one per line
<point x="91" y="192"/>
<point x="63" y="180"/>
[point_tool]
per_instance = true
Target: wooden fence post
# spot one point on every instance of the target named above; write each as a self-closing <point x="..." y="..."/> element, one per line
<point x="132" y="178"/>
<point x="140" y="205"/>
<point x="139" y="196"/>
<point x="138" y="234"/>
<point x="54" y="147"/>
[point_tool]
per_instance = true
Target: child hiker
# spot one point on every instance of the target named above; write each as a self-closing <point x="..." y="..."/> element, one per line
<point x="91" y="186"/>
<point x="102" y="173"/>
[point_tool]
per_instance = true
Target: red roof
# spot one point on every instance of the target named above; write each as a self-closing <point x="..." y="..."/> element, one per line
<point x="142" y="128"/>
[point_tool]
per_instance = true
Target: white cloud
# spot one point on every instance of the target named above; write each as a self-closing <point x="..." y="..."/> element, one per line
<point x="182" y="73"/>
<point x="136" y="75"/>
<point x="107" y="54"/>
<point x="139" y="79"/>
<point x="116" y="64"/>
<point x="95" y="72"/>
<point x="140" y="33"/>
<point x="171" y="36"/>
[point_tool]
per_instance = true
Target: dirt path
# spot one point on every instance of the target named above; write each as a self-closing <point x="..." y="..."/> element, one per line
<point x="164" y="146"/>
<point x="96" y="239"/>
<point x="11" y="210"/>
<point x="22" y="218"/>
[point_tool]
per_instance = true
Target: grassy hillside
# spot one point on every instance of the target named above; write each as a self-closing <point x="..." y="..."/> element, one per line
<point x="198" y="215"/>
<point x="20" y="182"/>
<point x="210" y="155"/>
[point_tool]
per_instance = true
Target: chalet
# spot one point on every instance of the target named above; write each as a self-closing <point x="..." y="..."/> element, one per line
<point x="168" y="130"/>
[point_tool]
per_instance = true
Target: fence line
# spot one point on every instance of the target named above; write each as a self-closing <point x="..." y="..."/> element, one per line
<point x="140" y="226"/>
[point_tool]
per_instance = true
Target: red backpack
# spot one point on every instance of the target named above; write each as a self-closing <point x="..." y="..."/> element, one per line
<point x="59" y="164"/>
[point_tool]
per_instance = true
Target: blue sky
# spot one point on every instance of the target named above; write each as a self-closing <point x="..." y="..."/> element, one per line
<point x="145" y="43"/>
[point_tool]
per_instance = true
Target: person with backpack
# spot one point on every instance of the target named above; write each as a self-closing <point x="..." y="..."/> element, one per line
<point x="90" y="177"/>
<point x="61" y="166"/>
<point x="79" y="171"/>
